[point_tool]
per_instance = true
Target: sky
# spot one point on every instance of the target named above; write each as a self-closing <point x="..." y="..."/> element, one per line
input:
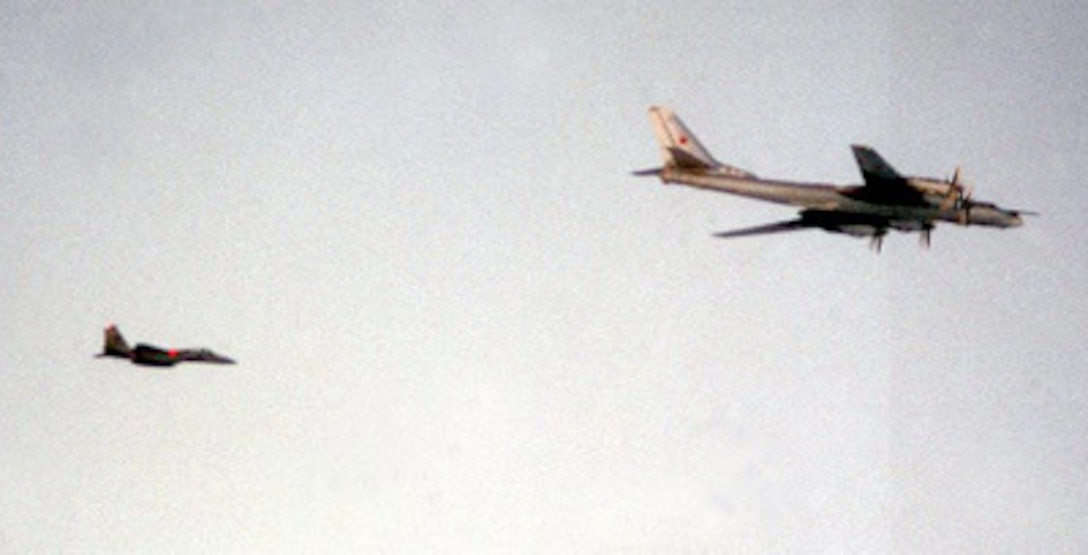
<point x="463" y="326"/>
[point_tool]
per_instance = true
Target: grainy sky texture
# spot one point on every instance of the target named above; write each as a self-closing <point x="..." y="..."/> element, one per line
<point x="462" y="326"/>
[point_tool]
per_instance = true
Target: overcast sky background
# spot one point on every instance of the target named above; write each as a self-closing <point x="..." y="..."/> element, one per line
<point x="461" y="325"/>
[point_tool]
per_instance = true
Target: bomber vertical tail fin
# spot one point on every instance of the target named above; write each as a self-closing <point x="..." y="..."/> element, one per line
<point x="681" y="149"/>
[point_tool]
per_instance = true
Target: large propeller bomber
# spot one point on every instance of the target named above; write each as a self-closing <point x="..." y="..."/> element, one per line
<point x="886" y="200"/>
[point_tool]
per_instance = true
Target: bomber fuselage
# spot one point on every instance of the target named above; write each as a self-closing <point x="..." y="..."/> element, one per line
<point x="925" y="205"/>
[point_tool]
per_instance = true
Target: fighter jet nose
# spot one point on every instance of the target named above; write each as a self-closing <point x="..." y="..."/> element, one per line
<point x="1016" y="220"/>
<point x="221" y="359"/>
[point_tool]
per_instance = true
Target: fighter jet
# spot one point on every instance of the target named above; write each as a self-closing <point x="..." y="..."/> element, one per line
<point x="148" y="355"/>
<point x="887" y="200"/>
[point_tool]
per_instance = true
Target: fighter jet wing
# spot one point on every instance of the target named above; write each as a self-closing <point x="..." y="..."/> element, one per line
<point x="150" y="355"/>
<point x="203" y="355"/>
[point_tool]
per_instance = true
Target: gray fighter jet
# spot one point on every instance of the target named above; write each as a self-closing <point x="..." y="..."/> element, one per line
<point x="887" y="200"/>
<point x="148" y="355"/>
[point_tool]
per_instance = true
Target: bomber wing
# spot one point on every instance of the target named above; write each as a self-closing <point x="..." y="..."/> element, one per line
<point x="766" y="229"/>
<point x="857" y="225"/>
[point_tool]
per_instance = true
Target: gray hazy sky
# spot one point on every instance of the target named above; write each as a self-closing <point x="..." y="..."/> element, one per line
<point x="463" y="326"/>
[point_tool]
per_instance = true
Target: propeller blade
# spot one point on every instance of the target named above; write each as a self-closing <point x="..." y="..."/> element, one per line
<point x="966" y="217"/>
<point x="962" y="195"/>
<point x="955" y="191"/>
<point x="965" y="211"/>
<point x="950" y="199"/>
